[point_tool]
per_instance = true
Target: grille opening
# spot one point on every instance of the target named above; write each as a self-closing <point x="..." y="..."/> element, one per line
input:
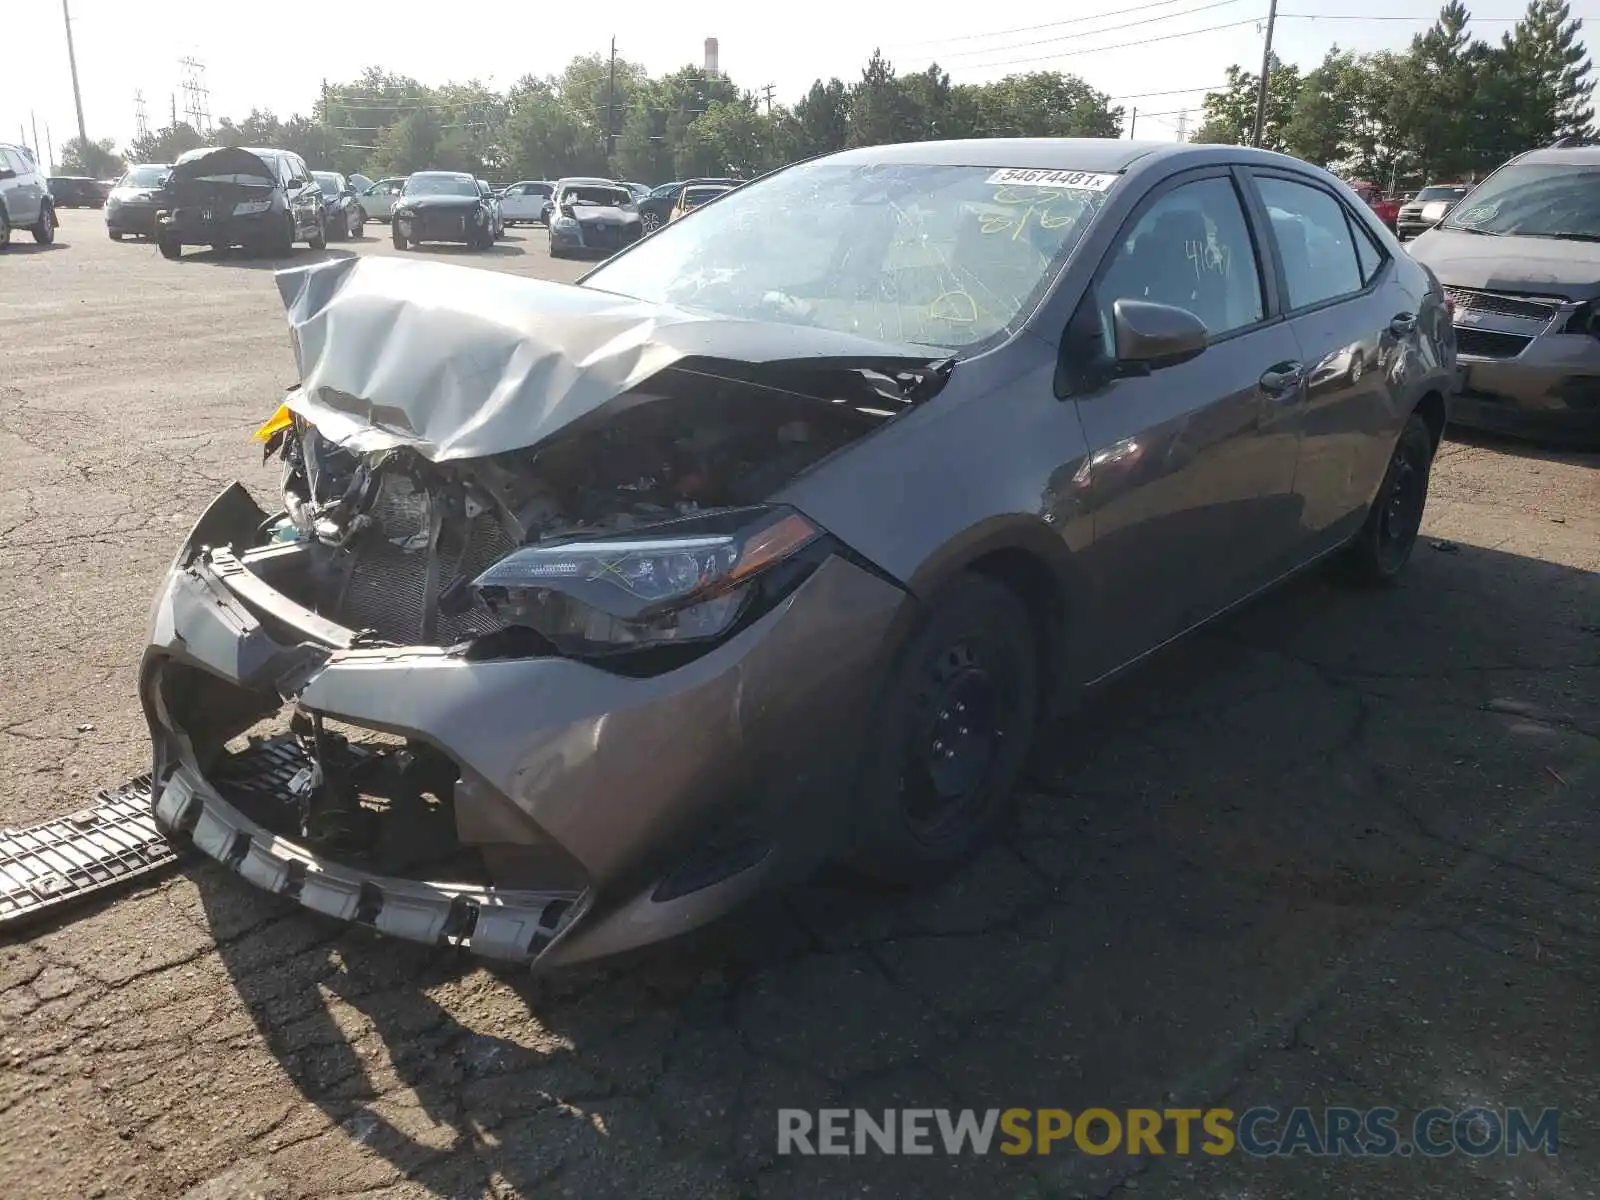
<point x="1486" y="343"/>
<point x="1468" y="300"/>
<point x="368" y="799"/>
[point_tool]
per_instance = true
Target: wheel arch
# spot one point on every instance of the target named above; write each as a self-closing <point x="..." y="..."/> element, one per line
<point x="1033" y="561"/>
<point x="1431" y="409"/>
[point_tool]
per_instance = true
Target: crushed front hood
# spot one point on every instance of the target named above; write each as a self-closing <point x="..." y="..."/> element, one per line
<point x="1532" y="266"/>
<point x="461" y="363"/>
<point x="225" y="160"/>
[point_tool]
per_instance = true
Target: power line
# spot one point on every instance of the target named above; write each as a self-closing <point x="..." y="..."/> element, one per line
<point x="1069" y="37"/>
<point x="968" y="37"/>
<point x="1167" y="37"/>
<point x="1210" y="87"/>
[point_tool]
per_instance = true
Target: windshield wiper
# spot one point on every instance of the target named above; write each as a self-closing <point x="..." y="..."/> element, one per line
<point x="1573" y="237"/>
<point x="1474" y="229"/>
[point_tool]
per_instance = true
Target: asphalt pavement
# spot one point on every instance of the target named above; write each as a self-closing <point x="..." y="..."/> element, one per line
<point x="1338" y="849"/>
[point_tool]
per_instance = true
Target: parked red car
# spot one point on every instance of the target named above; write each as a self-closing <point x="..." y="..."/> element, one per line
<point x="1387" y="208"/>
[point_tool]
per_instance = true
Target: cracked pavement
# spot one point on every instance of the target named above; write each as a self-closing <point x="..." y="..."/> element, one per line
<point x="1338" y="849"/>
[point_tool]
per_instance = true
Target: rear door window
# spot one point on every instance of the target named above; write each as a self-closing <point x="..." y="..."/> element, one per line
<point x="1315" y="242"/>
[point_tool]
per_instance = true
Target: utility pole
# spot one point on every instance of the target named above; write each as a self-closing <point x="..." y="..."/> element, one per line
<point x="77" y="96"/>
<point x="34" y="145"/>
<point x="174" y="97"/>
<point x="1183" y="126"/>
<point x="49" y="148"/>
<point x="1266" y="73"/>
<point x="1133" y="122"/>
<point x="766" y="92"/>
<point x="611" y="99"/>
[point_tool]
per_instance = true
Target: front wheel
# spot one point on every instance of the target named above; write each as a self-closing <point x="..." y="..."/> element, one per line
<point x="1380" y="551"/>
<point x="399" y="240"/>
<point x="169" y="247"/>
<point x="950" y="735"/>
<point x="44" y="232"/>
<point x="319" y="239"/>
<point x="650" y="221"/>
<point x="358" y="223"/>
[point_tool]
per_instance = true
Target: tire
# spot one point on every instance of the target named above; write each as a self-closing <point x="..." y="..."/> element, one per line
<point x="169" y="248"/>
<point x="5" y="229"/>
<point x="650" y="221"/>
<point x="283" y="245"/>
<point x="555" y="253"/>
<point x="114" y="235"/>
<point x="1379" y="552"/>
<point x="319" y="240"/>
<point x="399" y="240"/>
<point x="951" y="732"/>
<point x="358" y="223"/>
<point x="44" y="231"/>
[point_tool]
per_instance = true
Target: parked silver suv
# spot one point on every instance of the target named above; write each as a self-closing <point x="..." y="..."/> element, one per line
<point x="25" y="201"/>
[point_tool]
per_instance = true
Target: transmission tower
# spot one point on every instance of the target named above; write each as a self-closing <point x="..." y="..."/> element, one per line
<point x="1183" y="126"/>
<point x="141" y="118"/>
<point x="196" y="96"/>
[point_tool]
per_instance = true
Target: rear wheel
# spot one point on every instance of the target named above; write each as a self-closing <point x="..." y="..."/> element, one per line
<point x="283" y="245"/>
<point x="44" y="231"/>
<point x="950" y="736"/>
<point x="319" y="239"/>
<point x="650" y="221"/>
<point x="399" y="240"/>
<point x="1380" y="551"/>
<point x="5" y="229"/>
<point x="358" y="222"/>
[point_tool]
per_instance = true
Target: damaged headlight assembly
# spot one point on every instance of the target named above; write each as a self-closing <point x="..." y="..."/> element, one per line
<point x="249" y="208"/>
<point x="684" y="581"/>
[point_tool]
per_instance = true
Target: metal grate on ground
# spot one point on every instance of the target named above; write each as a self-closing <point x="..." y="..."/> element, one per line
<point x="63" y="860"/>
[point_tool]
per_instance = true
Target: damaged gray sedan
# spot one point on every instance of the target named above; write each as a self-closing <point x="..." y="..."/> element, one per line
<point x="589" y="610"/>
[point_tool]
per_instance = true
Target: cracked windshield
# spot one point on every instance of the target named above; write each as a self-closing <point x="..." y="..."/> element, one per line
<point x="947" y="256"/>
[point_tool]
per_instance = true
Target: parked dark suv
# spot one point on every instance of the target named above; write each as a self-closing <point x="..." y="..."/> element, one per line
<point x="264" y="200"/>
<point x="1428" y="207"/>
<point x="76" y="191"/>
<point x="25" y="201"/>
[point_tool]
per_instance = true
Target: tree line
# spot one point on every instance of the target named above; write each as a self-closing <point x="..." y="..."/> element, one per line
<point x="682" y="124"/>
<point x="1451" y="106"/>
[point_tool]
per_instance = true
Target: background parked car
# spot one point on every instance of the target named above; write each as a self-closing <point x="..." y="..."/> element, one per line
<point x="1519" y="256"/>
<point x="640" y="191"/>
<point x="131" y="206"/>
<point x="76" y="191"/>
<point x="589" y="215"/>
<point x="379" y="198"/>
<point x="527" y="201"/>
<point x="656" y="209"/>
<point x="1428" y="207"/>
<point x="345" y="214"/>
<point x="442" y="206"/>
<point x="694" y="195"/>
<point x="360" y="182"/>
<point x="259" y="198"/>
<point x="497" y="220"/>
<point x="25" y="201"/>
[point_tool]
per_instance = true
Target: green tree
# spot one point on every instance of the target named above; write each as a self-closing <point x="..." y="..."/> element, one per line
<point x="822" y="119"/>
<point x="544" y="138"/>
<point x="1230" y="114"/>
<point x="1547" y="59"/>
<point x="1435" y="110"/>
<point x="881" y="109"/>
<point x="97" y="159"/>
<point x="1045" y="104"/>
<point x="728" y="139"/>
<point x="165" y="145"/>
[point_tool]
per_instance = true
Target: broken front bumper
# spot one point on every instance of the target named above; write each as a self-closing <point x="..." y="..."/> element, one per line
<point x="655" y="803"/>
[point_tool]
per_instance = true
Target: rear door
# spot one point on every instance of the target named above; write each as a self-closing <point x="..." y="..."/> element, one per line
<point x="1355" y="323"/>
<point x="1191" y="466"/>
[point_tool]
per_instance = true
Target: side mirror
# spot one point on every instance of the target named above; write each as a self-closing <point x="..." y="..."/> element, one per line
<point x="1155" y="335"/>
<point x="568" y="210"/>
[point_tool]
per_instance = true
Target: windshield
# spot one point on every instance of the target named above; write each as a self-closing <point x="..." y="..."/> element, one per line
<point x="327" y="181"/>
<point x="1440" y="193"/>
<point x="947" y="256"/>
<point x="146" y="176"/>
<point x="606" y="197"/>
<point x="441" y="185"/>
<point x="1553" y="200"/>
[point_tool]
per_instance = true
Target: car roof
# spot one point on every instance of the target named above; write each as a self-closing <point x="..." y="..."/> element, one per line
<point x="589" y="180"/>
<point x="443" y="175"/>
<point x="1566" y="156"/>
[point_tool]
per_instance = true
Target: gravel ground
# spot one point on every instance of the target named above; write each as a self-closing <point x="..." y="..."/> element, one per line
<point x="1339" y="849"/>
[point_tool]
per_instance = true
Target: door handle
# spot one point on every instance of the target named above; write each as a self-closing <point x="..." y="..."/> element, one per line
<point x="1282" y="380"/>
<point x="1403" y="324"/>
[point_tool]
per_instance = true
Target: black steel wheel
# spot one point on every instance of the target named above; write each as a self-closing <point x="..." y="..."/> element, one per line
<point x="44" y="232"/>
<point x="1382" y="548"/>
<point x="952" y="731"/>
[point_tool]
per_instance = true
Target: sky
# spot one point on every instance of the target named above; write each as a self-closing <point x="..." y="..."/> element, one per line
<point x="1126" y="48"/>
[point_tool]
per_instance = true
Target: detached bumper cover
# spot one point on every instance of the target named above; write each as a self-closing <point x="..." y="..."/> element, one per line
<point x="631" y="779"/>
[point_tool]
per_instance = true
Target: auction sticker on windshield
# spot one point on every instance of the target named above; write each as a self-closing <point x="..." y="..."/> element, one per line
<point x="1087" y="181"/>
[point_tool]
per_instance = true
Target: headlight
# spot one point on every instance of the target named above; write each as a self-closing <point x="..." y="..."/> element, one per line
<point x="249" y="208"/>
<point x="679" y="582"/>
<point x="564" y="223"/>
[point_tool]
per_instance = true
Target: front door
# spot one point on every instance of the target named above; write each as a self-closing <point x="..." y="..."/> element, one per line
<point x="1191" y="467"/>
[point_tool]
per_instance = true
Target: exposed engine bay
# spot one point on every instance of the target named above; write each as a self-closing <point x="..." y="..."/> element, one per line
<point x="396" y="540"/>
